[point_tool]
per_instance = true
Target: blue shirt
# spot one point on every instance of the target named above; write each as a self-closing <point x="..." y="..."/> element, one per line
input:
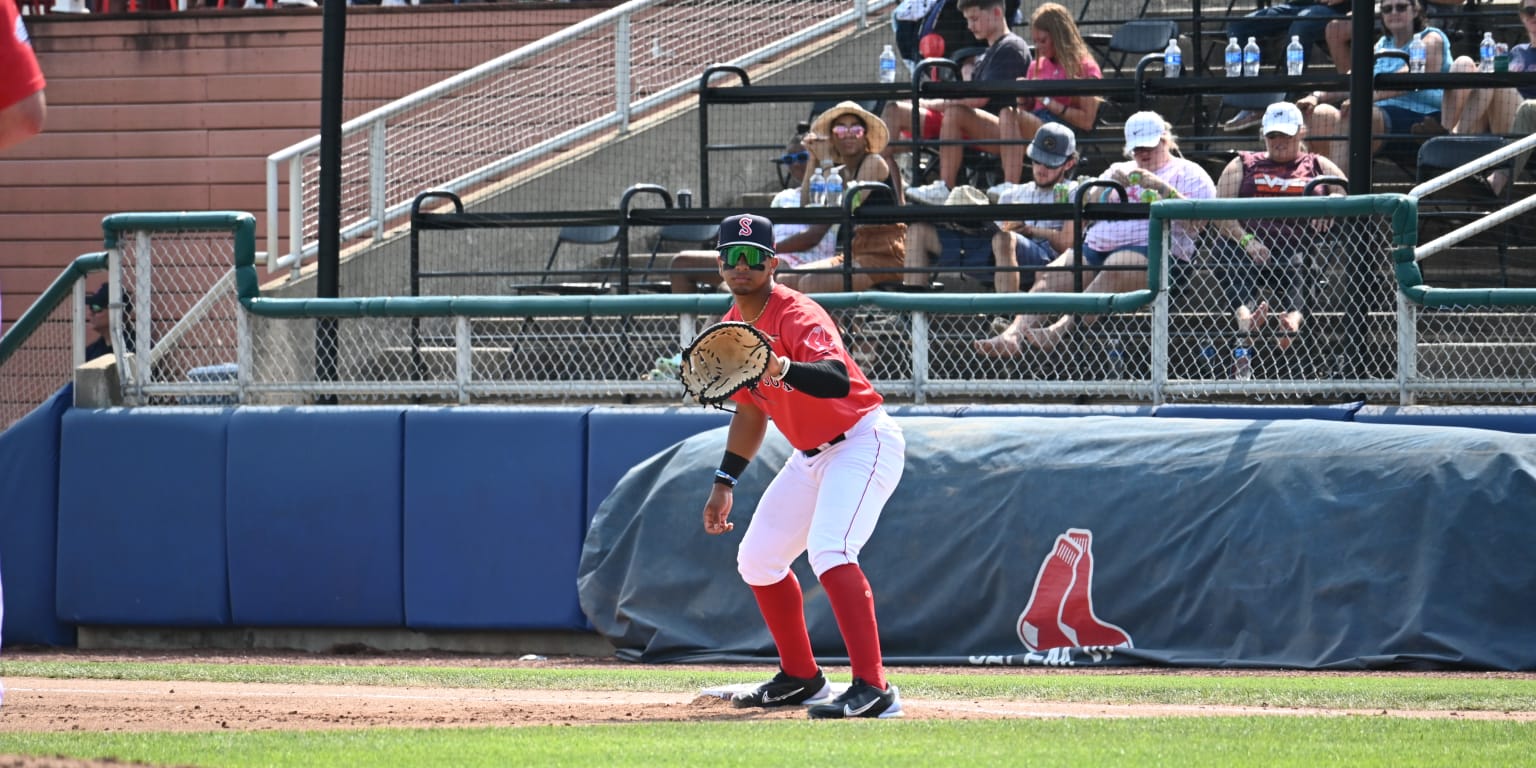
<point x="1423" y="101"/>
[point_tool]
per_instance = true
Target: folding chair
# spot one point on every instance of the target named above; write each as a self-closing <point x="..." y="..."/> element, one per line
<point x="1467" y="200"/>
<point x="675" y="237"/>
<point x="1129" y="43"/>
<point x="589" y="235"/>
<point x="1137" y="38"/>
<point x="1245" y="102"/>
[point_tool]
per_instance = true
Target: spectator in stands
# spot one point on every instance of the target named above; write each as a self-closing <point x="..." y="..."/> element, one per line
<point x="1340" y="32"/>
<point x="847" y="140"/>
<point x="1476" y="111"/>
<point x="1304" y="19"/>
<point x="99" y="309"/>
<point x="1036" y="243"/>
<point x="1060" y="54"/>
<point x="689" y="269"/>
<point x="1153" y="173"/>
<point x="1271" y="249"/>
<point x="1394" y="112"/>
<point x="962" y="249"/>
<point x="22" y="104"/>
<point x="1522" y="58"/>
<point x="97" y="306"/>
<point x="1007" y="58"/>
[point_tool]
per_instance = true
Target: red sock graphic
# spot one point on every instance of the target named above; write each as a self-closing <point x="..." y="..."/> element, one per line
<point x="854" y="606"/>
<point x="1040" y="624"/>
<point x="1077" y="616"/>
<point x="783" y="608"/>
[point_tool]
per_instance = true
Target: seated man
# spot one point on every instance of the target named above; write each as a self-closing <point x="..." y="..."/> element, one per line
<point x="1007" y="58"/>
<point x="962" y="250"/>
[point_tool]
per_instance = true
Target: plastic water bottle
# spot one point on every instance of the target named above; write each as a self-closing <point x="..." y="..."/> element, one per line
<point x="1486" y="50"/>
<point x="1173" y="59"/>
<point x="834" y="188"/>
<point x="1208" y="364"/>
<point x="1415" y="55"/>
<point x="887" y="65"/>
<point x="1251" y="58"/>
<point x="818" y="188"/>
<point x="1295" y="57"/>
<point x="1242" y="364"/>
<point x="1234" y="58"/>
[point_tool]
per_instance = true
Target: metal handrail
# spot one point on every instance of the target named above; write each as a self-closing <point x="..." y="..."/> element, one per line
<point x="381" y="212"/>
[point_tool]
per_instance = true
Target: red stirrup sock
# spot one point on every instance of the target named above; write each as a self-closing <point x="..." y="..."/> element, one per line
<point x="854" y="606"/>
<point x="783" y="608"/>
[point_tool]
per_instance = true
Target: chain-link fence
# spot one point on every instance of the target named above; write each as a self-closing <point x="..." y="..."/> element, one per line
<point x="1336" y="310"/>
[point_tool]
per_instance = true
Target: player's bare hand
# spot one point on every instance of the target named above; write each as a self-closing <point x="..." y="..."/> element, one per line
<point x="1259" y="252"/>
<point x="717" y="509"/>
<point x="775" y="369"/>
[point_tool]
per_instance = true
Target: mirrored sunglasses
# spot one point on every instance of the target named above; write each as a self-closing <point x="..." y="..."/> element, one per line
<point x="95" y="307"/>
<point x="755" y="257"/>
<point x="795" y="158"/>
<point x="844" y="131"/>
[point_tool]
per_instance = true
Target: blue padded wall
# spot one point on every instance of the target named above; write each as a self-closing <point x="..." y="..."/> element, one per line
<point x="620" y="438"/>
<point x="29" y="516"/>
<point x="1520" y="420"/>
<point x="315" y="517"/>
<point x="1338" y="412"/>
<point x="141" y="517"/>
<point x="495" y="509"/>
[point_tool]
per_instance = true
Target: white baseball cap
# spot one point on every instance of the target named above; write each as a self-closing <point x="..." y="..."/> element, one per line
<point x="1283" y="117"/>
<point x="1144" y="129"/>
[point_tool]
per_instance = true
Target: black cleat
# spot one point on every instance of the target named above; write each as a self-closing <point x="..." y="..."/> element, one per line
<point x="785" y="690"/>
<point x="861" y="700"/>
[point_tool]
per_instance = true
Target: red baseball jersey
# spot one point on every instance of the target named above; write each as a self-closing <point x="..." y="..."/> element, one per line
<point x="22" y="75"/>
<point x="802" y="331"/>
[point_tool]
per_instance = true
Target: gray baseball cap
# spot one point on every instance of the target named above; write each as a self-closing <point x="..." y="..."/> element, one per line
<point x="1053" y="145"/>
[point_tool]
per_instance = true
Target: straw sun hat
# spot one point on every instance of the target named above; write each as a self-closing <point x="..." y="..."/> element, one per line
<point x="876" y="135"/>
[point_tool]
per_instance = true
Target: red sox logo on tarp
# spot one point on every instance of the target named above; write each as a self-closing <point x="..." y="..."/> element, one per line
<point x="1060" y="610"/>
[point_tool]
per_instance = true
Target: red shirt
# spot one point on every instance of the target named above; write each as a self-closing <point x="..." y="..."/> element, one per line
<point x="22" y="76"/>
<point x="801" y="330"/>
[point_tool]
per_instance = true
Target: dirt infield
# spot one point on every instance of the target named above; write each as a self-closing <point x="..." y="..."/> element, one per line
<point x="91" y="705"/>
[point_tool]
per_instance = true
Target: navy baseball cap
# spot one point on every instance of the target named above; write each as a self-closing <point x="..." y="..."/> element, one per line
<point x="746" y="229"/>
<point x="98" y="298"/>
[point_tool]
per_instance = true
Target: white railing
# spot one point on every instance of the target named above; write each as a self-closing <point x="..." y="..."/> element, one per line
<point x="465" y="131"/>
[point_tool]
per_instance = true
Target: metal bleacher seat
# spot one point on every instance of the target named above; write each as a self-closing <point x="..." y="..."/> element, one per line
<point x="584" y="235"/>
<point x="1467" y="200"/>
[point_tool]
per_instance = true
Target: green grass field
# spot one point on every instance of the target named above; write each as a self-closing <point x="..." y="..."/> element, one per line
<point x="1351" y="740"/>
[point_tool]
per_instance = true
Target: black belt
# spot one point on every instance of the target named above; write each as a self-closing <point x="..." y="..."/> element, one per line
<point x="828" y="444"/>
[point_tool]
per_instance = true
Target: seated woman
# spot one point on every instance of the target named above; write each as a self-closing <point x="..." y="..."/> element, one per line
<point x="690" y="269"/>
<point x="1060" y="54"/>
<point x="1271" y="251"/>
<point x="847" y="140"/>
<point x="1394" y="111"/>
<point x="1153" y="173"/>
<point x="1495" y="110"/>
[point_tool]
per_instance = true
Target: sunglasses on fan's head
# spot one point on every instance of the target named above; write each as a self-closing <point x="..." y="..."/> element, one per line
<point x="755" y="257"/>
<point x="844" y="131"/>
<point x="795" y="158"/>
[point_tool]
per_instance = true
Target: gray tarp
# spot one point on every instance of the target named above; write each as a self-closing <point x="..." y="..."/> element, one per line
<point x="1197" y="542"/>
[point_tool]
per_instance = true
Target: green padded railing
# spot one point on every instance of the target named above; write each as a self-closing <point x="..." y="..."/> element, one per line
<point x="58" y="291"/>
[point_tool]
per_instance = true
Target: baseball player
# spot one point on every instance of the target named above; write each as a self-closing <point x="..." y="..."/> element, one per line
<point x="826" y="499"/>
<point x="22" y="106"/>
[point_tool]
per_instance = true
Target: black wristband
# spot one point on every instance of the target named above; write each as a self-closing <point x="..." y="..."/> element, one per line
<point x="733" y="464"/>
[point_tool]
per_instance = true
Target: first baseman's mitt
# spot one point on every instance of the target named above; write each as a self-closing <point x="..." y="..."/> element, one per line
<point x="724" y="358"/>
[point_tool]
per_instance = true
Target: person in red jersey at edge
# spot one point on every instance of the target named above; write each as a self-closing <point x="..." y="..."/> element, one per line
<point x="849" y="455"/>
<point x="22" y="106"/>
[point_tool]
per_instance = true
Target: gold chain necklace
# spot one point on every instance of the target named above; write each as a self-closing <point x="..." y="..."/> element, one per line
<point x="760" y="310"/>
